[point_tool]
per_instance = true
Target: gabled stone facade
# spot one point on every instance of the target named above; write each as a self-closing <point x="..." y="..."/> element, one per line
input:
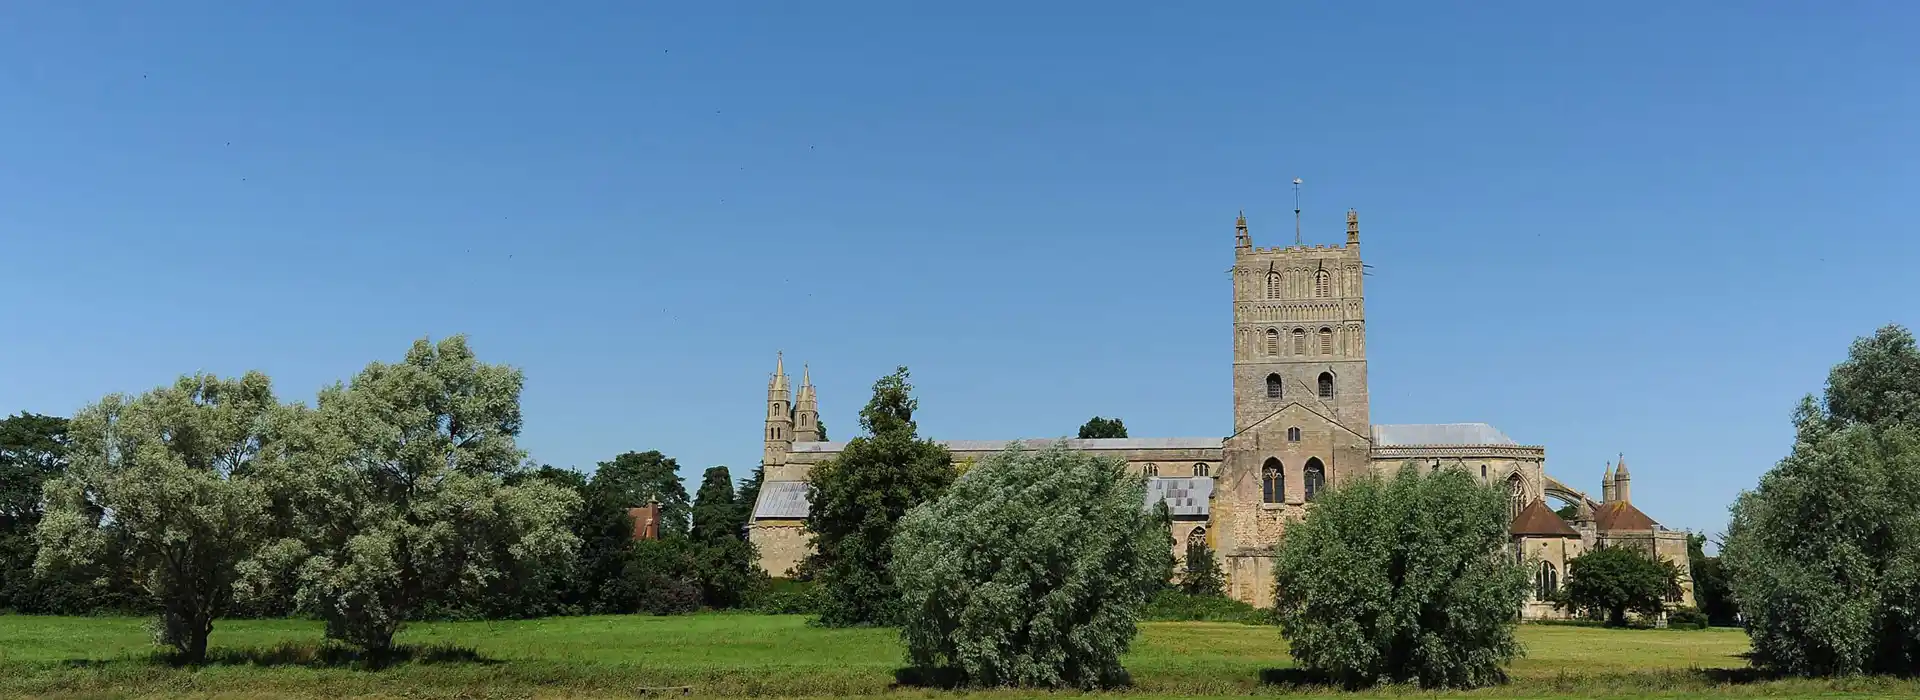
<point x="1301" y="424"/>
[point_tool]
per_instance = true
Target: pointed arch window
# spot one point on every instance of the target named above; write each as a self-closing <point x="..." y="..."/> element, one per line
<point x="1299" y="341"/>
<point x="1273" y="386"/>
<point x="1516" y="495"/>
<point x="1326" y="385"/>
<point x="1326" y="341"/>
<point x="1200" y="469"/>
<point x="1323" y="284"/>
<point x="1315" y="476"/>
<point x="1273" y="285"/>
<point x="1273" y="482"/>
<point x="1197" y="542"/>
<point x="1546" y="582"/>
<point x="1273" y="342"/>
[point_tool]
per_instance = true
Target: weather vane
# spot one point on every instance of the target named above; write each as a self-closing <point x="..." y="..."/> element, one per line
<point x="1296" y="211"/>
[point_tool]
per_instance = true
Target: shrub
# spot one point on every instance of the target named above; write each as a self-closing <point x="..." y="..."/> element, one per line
<point x="1202" y="576"/>
<point x="1172" y="605"/>
<point x="1030" y="571"/>
<point x="788" y="597"/>
<point x="1687" y="618"/>
<point x="1402" y="580"/>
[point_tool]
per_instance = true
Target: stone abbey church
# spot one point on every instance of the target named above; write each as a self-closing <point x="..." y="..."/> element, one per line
<point x="1300" y="426"/>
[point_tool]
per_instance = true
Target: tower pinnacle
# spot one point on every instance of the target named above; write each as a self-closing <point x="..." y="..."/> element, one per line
<point x="1240" y="238"/>
<point x="1353" y="227"/>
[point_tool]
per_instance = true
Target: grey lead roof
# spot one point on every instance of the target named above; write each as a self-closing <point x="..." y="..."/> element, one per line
<point x="781" y="500"/>
<point x="787" y="500"/>
<point x="1176" y="443"/>
<point x="1184" y="496"/>
<point x="1440" y="434"/>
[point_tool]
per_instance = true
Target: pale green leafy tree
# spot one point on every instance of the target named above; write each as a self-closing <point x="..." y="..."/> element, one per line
<point x="1030" y="570"/>
<point x="1824" y="555"/>
<point x="1402" y="580"/>
<point x="162" y="489"/>
<point x="400" y="494"/>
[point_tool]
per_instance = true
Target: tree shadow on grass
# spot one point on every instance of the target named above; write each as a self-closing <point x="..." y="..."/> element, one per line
<point x="956" y="679"/>
<point x="1300" y="679"/>
<point x="330" y="655"/>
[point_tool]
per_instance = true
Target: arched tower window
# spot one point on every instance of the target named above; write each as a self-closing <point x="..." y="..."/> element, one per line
<point x="1273" y="482"/>
<point x="1326" y="385"/>
<point x="1273" y="285"/>
<point x="1516" y="495"/>
<point x="1273" y="342"/>
<point x="1152" y="469"/>
<point x="1299" y="341"/>
<point x="1200" y="469"/>
<point x="1315" y="476"/>
<point x="1326" y="341"/>
<point x="1323" y="284"/>
<point x="1547" y="582"/>
<point x="1273" y="386"/>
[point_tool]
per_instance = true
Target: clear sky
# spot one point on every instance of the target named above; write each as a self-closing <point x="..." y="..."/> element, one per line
<point x="1618" y="227"/>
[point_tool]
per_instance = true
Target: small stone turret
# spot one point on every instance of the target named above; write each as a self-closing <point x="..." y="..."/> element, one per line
<point x="1241" y="240"/>
<point x="1353" y="227"/>
<point x="806" y="414"/>
<point x="1606" y="485"/>
<point x="1621" y="482"/>
<point x="779" y="434"/>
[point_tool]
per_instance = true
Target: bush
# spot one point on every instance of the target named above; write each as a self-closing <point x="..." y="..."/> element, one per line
<point x="788" y="597"/>
<point x="1687" y="618"/>
<point x="1172" y="605"/>
<point x="1402" y="580"/>
<point x="1030" y="571"/>
<point x="1202" y="576"/>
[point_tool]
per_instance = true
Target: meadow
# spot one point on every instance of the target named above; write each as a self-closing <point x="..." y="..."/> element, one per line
<point x="732" y="655"/>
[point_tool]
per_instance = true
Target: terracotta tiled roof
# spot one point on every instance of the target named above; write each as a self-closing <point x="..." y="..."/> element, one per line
<point x="1536" y="520"/>
<point x="1621" y="515"/>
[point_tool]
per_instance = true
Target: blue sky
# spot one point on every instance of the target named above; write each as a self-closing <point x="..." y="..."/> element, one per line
<point x="1627" y="227"/>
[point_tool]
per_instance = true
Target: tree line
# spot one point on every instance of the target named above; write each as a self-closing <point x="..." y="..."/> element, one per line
<point x="399" y="495"/>
<point x="399" y="492"/>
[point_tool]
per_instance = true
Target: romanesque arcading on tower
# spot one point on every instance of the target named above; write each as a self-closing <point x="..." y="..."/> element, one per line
<point x="1241" y="239"/>
<point x="779" y="420"/>
<point x="1621" y="482"/>
<point x="806" y="414"/>
<point x="1606" y="485"/>
<point x="1353" y="227"/>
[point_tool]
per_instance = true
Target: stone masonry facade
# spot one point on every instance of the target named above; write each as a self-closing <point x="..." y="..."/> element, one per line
<point x="1300" y="425"/>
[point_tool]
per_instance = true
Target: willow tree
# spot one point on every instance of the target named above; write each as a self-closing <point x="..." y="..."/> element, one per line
<point x="405" y="493"/>
<point x="162" y="489"/>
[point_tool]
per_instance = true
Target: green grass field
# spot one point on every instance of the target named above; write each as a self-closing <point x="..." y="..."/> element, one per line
<point x="749" y="655"/>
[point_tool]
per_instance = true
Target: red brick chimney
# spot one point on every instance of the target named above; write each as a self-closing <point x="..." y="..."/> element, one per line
<point x="646" y="521"/>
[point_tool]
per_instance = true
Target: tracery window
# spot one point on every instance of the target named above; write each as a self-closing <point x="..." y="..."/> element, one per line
<point x="1546" y="582"/>
<point x="1516" y="495"/>
<point x="1273" y="482"/>
<point x="1315" y="477"/>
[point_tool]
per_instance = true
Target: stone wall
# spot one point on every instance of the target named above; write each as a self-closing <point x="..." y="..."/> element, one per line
<point x="782" y="544"/>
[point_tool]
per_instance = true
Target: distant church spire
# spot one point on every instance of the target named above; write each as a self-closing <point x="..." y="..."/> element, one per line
<point x="1240" y="238"/>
